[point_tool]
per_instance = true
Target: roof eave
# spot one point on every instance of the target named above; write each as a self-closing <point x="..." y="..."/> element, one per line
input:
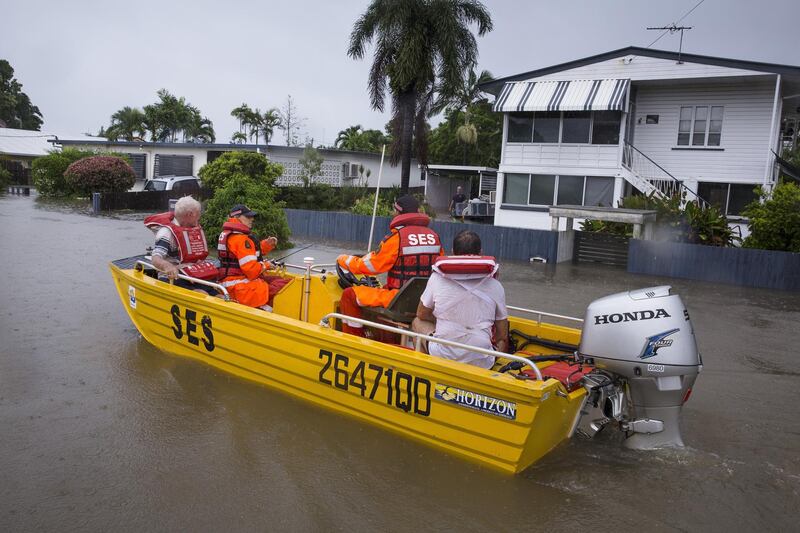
<point x="494" y="86"/>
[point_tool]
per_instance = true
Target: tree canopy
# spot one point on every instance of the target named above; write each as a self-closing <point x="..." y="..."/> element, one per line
<point x="16" y="109"/>
<point x="169" y="120"/>
<point x="253" y="124"/>
<point x="422" y="47"/>
<point x="358" y="140"/>
<point x="448" y="149"/>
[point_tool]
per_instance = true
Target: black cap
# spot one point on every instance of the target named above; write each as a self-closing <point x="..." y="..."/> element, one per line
<point x="406" y="204"/>
<point x="241" y="209"/>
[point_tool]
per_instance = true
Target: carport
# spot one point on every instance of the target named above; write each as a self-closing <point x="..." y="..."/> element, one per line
<point x="441" y="182"/>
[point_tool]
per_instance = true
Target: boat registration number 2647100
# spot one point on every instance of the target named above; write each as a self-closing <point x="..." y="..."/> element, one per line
<point x="404" y="391"/>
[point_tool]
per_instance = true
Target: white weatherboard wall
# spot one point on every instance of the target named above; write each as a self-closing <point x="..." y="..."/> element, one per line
<point x="645" y="68"/>
<point x="745" y="129"/>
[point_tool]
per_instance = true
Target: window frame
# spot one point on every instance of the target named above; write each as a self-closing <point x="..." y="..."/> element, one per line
<point x="556" y="186"/>
<point x="728" y="186"/>
<point x="707" y="130"/>
<point x="560" y="141"/>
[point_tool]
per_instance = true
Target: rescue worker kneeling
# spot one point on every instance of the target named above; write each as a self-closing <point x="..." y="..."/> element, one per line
<point x="240" y="255"/>
<point x="407" y="252"/>
<point x="463" y="302"/>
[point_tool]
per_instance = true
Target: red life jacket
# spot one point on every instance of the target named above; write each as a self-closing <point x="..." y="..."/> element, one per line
<point x="466" y="266"/>
<point x="419" y="247"/>
<point x="228" y="262"/>
<point x="192" y="246"/>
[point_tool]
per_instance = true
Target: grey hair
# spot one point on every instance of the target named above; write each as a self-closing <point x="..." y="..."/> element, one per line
<point x="185" y="205"/>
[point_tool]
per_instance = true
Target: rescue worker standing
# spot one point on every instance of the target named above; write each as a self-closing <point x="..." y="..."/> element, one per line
<point x="407" y="252"/>
<point x="241" y="266"/>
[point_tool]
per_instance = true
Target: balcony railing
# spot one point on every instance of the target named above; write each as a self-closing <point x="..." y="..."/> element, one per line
<point x="663" y="183"/>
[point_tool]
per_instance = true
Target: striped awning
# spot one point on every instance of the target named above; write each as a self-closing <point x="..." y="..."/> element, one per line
<point x="576" y="95"/>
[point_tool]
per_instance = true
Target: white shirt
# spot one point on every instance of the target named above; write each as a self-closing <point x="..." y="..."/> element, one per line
<point x="463" y="316"/>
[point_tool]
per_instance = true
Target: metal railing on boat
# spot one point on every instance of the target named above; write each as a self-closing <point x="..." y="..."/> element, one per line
<point x="325" y="322"/>
<point x="217" y="286"/>
<point x="540" y="314"/>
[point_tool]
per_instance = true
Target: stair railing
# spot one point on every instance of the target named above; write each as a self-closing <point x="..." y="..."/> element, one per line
<point x="668" y="185"/>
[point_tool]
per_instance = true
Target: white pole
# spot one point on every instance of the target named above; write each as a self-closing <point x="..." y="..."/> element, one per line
<point x="375" y="205"/>
<point x="770" y="157"/>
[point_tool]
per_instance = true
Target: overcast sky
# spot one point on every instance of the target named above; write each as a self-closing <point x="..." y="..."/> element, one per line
<point x="80" y="61"/>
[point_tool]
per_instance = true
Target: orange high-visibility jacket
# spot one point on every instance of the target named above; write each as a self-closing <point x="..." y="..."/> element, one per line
<point x="249" y="289"/>
<point x="384" y="259"/>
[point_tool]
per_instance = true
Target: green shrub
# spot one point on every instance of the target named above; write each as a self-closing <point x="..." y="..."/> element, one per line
<point x="232" y="165"/>
<point x="676" y="220"/>
<point x="5" y="178"/>
<point x="101" y="173"/>
<point x="48" y="171"/>
<point x="271" y="219"/>
<point x="316" y="196"/>
<point x="774" y="219"/>
<point x="364" y="206"/>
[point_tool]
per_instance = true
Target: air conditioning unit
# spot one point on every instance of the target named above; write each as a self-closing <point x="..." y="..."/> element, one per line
<point x="492" y="196"/>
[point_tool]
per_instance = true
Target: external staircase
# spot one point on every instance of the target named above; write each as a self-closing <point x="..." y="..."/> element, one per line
<point x="650" y="178"/>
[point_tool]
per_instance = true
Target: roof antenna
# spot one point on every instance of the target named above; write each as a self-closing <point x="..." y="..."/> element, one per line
<point x="672" y="29"/>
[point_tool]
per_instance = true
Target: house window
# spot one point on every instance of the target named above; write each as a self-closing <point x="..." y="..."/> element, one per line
<point x="577" y="127"/>
<point x="569" y="127"/>
<point x="542" y="189"/>
<point x="520" y="126"/>
<point x="700" y="125"/>
<point x="516" y="189"/>
<point x="730" y="198"/>
<point x="546" y="189"/>
<point x="546" y="127"/>
<point x="605" y="127"/>
<point x="570" y="190"/>
<point x="599" y="191"/>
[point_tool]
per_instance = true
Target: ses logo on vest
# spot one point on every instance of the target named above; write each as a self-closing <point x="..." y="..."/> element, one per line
<point x="616" y="318"/>
<point x="415" y="239"/>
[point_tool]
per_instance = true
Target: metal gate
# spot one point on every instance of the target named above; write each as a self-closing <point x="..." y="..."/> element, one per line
<point x="597" y="247"/>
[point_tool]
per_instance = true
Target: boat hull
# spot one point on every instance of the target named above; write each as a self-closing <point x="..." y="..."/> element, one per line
<point x="480" y="415"/>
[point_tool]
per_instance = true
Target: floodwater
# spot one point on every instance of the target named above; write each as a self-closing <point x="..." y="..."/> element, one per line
<point x="100" y="431"/>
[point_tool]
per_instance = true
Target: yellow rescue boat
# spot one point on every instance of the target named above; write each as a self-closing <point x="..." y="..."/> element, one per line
<point x="507" y="420"/>
<point x="483" y="415"/>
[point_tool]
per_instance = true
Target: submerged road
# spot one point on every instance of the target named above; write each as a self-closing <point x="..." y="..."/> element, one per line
<point x="101" y="431"/>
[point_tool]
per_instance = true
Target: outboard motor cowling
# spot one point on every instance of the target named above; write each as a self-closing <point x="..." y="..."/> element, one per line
<point x="643" y="342"/>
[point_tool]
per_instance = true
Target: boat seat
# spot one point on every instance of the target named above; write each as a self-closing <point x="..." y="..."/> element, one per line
<point x="403" y="307"/>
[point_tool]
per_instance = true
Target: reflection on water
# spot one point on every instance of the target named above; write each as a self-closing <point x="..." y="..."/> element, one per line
<point x="100" y="430"/>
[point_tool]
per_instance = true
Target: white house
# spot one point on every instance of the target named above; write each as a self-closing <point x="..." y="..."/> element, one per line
<point x="18" y="148"/>
<point x="340" y="167"/>
<point x="590" y="131"/>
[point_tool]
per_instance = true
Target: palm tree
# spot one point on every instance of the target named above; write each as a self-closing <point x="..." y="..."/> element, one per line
<point x="127" y="123"/>
<point x="241" y="114"/>
<point x="199" y="129"/>
<point x="349" y="139"/>
<point x="270" y="120"/>
<point x="461" y="101"/>
<point x="421" y="46"/>
<point x="239" y="137"/>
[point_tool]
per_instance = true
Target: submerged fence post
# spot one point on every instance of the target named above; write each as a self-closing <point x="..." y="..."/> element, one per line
<point x="95" y="203"/>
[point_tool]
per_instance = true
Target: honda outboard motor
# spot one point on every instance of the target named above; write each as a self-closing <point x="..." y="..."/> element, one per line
<point x="643" y="347"/>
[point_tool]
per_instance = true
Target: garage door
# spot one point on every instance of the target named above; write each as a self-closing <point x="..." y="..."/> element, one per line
<point x="173" y="165"/>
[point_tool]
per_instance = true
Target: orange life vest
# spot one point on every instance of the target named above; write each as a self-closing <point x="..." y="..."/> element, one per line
<point x="419" y="247"/>
<point x="228" y="262"/>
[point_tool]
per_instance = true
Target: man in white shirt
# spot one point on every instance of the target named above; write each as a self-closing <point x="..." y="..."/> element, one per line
<point x="463" y="308"/>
